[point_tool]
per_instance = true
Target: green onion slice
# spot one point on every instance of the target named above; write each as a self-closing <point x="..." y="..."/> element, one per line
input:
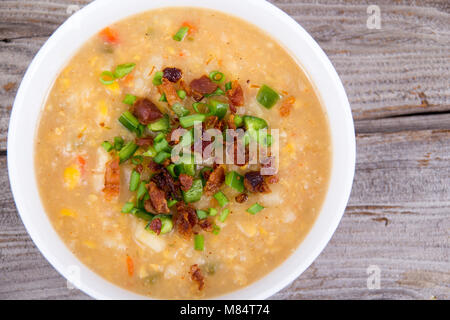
<point x="223" y="216"/>
<point x="179" y="36"/>
<point x="157" y="79"/>
<point x="129" y="99"/>
<point x="217" y="77"/>
<point x="254" y="209"/>
<point x="199" y="242"/>
<point x="107" y="146"/>
<point x="235" y="181"/>
<point x="127" y="207"/>
<point x="267" y="97"/>
<point x="135" y="179"/>
<point x="202" y="214"/>
<point x="129" y="121"/>
<point x="189" y="121"/>
<point x="195" y="193"/>
<point x="123" y="69"/>
<point x="107" y="77"/>
<point x="221" y="199"/>
<point x="127" y="151"/>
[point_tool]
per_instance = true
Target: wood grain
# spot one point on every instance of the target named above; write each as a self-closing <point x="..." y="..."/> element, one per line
<point x="397" y="80"/>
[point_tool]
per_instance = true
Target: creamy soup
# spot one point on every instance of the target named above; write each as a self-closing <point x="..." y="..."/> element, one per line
<point x="180" y="230"/>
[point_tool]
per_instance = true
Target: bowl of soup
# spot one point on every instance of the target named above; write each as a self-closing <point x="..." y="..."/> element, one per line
<point x="181" y="149"/>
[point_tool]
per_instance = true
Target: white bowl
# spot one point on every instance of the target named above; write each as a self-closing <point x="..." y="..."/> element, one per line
<point x="65" y="42"/>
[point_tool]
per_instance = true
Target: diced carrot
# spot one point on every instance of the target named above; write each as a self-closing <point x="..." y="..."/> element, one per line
<point x="128" y="79"/>
<point x="81" y="162"/>
<point x="192" y="28"/>
<point x="130" y="266"/>
<point x="109" y="35"/>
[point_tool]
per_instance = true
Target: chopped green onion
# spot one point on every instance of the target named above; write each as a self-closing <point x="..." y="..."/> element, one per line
<point x="238" y="120"/>
<point x="157" y="79"/>
<point x="127" y="151"/>
<point x="254" y="209"/>
<point x="162" y="145"/>
<point x="171" y="203"/>
<point x="218" y="108"/>
<point x="179" y="36"/>
<point x="180" y="110"/>
<point x="267" y="97"/>
<point x="161" y="157"/>
<point x="151" y="152"/>
<point x="137" y="160"/>
<point x="171" y="169"/>
<point x="223" y="216"/>
<point x="195" y="193"/>
<point x="135" y="179"/>
<point x="163" y="98"/>
<point x="212" y="212"/>
<point x="235" y="181"/>
<point x="140" y="130"/>
<point x="127" y="207"/>
<point x="217" y="76"/>
<point x="129" y="121"/>
<point x="141" y="190"/>
<point x="228" y="86"/>
<point x="107" y="146"/>
<point x="201" y="214"/>
<point x="160" y="136"/>
<point x="118" y="143"/>
<point x="142" y="214"/>
<point x="123" y="69"/>
<point x="254" y="123"/>
<point x="216" y="230"/>
<point x="217" y="92"/>
<point x="107" y="77"/>
<point x="189" y="121"/>
<point x="181" y="94"/>
<point x="221" y="199"/>
<point x="129" y="99"/>
<point x="162" y="124"/>
<point x="199" y="242"/>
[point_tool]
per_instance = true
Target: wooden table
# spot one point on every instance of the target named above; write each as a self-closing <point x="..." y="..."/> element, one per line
<point x="398" y="82"/>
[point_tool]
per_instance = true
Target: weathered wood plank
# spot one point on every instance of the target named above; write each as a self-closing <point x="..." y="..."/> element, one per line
<point x="397" y="219"/>
<point x="402" y="69"/>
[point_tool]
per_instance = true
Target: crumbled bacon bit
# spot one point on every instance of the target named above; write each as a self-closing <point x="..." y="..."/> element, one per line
<point x="112" y="179"/>
<point x="185" y="87"/>
<point x="230" y="122"/>
<point x="172" y="74"/>
<point x="201" y="86"/>
<point x="165" y="182"/>
<point x="153" y="166"/>
<point x="186" y="181"/>
<point x="157" y="198"/>
<point x="243" y="197"/>
<point x="206" y="225"/>
<point x="146" y="111"/>
<point x="156" y="225"/>
<point x="197" y="276"/>
<point x="139" y="168"/>
<point x="185" y="219"/>
<point x="169" y="90"/>
<point x="148" y="206"/>
<point x="272" y="179"/>
<point x="254" y="182"/>
<point x="211" y="121"/>
<point x="236" y="95"/>
<point x="144" y="142"/>
<point x="215" y="180"/>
